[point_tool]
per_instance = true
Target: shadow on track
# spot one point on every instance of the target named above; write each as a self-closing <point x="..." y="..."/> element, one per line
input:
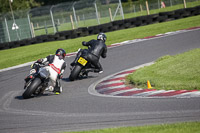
<point x="80" y="78"/>
<point x="41" y="95"/>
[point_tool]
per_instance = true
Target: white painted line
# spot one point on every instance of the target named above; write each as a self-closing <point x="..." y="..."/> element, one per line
<point x="18" y="66"/>
<point x="111" y="82"/>
<point x="148" y="93"/>
<point x="122" y="75"/>
<point x="168" y="91"/>
<point x="93" y="91"/>
<point x="113" y="45"/>
<point x="110" y="88"/>
<point x="189" y="94"/>
<point x="124" y="91"/>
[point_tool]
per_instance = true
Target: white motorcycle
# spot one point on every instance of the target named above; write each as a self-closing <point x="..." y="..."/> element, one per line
<point x="36" y="83"/>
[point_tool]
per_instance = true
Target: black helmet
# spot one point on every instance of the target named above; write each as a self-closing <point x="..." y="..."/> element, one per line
<point x="61" y="53"/>
<point x="101" y="36"/>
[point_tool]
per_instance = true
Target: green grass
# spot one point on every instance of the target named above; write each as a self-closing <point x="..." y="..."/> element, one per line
<point x="186" y="127"/>
<point x="178" y="72"/>
<point x="68" y="26"/>
<point x="29" y="53"/>
<point x="92" y="22"/>
<point x="155" y="11"/>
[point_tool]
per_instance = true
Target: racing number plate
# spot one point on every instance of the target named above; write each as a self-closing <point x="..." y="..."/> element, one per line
<point x="82" y="61"/>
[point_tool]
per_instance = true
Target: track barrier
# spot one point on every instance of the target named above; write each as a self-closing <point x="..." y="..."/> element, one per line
<point x="107" y="27"/>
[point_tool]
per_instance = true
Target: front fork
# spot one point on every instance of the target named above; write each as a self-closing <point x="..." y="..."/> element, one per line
<point x="41" y="88"/>
<point x="78" y="55"/>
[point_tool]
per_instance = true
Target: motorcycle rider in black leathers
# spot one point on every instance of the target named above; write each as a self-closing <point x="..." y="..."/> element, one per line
<point x="96" y="48"/>
<point x="56" y="66"/>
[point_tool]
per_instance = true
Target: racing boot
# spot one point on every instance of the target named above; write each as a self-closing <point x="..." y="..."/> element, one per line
<point x="58" y="88"/>
<point x="98" y="70"/>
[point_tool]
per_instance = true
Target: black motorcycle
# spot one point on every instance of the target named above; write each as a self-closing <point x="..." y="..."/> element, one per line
<point x="36" y="83"/>
<point x="81" y="66"/>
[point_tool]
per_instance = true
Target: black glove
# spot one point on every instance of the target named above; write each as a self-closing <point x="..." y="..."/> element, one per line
<point x="83" y="43"/>
<point x="60" y="76"/>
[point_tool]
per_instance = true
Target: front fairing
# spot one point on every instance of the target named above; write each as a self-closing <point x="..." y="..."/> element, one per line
<point x="44" y="72"/>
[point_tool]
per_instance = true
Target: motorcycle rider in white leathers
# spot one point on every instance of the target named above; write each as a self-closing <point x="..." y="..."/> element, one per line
<point x="56" y="66"/>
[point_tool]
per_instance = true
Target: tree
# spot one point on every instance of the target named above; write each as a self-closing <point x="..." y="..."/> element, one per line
<point x="17" y="5"/>
<point x="53" y="2"/>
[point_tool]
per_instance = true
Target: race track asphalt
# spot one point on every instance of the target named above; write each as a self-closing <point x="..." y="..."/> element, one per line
<point x="75" y="109"/>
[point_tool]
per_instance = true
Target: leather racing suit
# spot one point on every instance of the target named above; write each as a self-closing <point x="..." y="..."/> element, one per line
<point x="96" y="49"/>
<point x="56" y="67"/>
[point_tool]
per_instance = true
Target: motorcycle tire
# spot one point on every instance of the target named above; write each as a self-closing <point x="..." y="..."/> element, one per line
<point x="31" y="88"/>
<point x="75" y="72"/>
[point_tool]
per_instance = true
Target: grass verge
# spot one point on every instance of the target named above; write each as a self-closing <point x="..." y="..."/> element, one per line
<point x="178" y="72"/>
<point x="130" y="14"/>
<point x="186" y="127"/>
<point x="20" y="55"/>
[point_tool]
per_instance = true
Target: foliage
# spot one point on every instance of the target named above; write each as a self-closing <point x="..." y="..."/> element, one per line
<point x="52" y="2"/>
<point x="17" y="5"/>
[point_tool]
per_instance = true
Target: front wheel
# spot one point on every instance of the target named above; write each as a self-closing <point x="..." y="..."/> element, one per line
<point x="31" y="88"/>
<point x="75" y="72"/>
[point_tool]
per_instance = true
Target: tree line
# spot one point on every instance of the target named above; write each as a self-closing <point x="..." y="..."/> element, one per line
<point x="28" y="4"/>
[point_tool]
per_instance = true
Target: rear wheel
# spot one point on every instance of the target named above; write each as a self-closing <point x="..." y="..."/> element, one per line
<point x="75" y="72"/>
<point x="31" y="88"/>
